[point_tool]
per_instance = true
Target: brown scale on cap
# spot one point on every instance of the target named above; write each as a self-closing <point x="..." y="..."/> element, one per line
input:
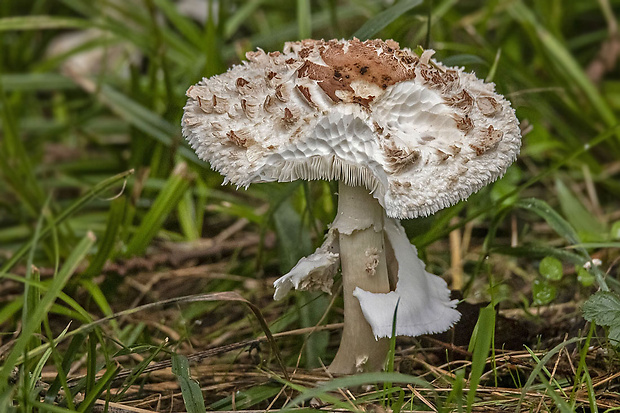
<point x="269" y="103"/>
<point x="243" y="86"/>
<point x="305" y="52"/>
<point x="400" y="159"/>
<point x="249" y="109"/>
<point x="450" y="76"/>
<point x="240" y="138"/>
<point x="359" y="62"/>
<point x="443" y="156"/>
<point x="216" y="126"/>
<point x="453" y="179"/>
<point x="305" y="92"/>
<point x="400" y="187"/>
<point x="280" y="94"/>
<point x="464" y="123"/>
<point x="488" y="139"/>
<point x="205" y="105"/>
<point x="288" y="119"/>
<point x="488" y="105"/>
<point x="378" y="128"/>
<point x="461" y="100"/>
<point x="365" y="102"/>
<point x="445" y="79"/>
<point x="254" y="56"/>
<point x="431" y="75"/>
<point x="272" y="80"/>
<point x="455" y="149"/>
<point x="198" y="93"/>
<point x="220" y="105"/>
<point x="405" y="57"/>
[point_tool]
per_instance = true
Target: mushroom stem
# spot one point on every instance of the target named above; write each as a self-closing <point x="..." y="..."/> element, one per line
<point x="362" y="256"/>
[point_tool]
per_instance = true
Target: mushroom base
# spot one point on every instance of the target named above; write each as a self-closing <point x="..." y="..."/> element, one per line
<point x="363" y="262"/>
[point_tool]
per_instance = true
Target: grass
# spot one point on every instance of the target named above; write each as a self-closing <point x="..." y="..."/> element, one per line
<point x="115" y="239"/>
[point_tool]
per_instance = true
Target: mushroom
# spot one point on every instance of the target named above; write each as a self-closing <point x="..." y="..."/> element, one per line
<point x="404" y="135"/>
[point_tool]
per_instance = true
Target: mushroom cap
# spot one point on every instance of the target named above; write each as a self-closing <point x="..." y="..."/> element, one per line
<point x="420" y="136"/>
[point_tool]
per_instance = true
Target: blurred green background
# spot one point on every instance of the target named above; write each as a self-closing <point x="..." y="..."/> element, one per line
<point x="91" y="97"/>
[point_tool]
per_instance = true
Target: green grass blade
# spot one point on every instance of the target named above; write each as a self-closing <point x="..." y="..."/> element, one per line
<point x="244" y="12"/>
<point x="493" y="69"/>
<point x="387" y="386"/>
<point x="540" y="251"/>
<point x="100" y="299"/>
<point x="78" y="312"/>
<point x="293" y="235"/>
<point x="46" y="407"/>
<point x="456" y="394"/>
<point x="383" y="19"/>
<point x="99" y="387"/>
<point x="63" y="364"/>
<point x="108" y="241"/>
<point x="392" y="351"/>
<point x="192" y="395"/>
<point x="42" y="23"/>
<point x="579" y="217"/>
<point x="560" y="403"/>
<point x="183" y="24"/>
<point x="187" y="214"/>
<point x="165" y="202"/>
<point x="246" y="399"/>
<point x="15" y="163"/>
<point x="36" y="372"/>
<point x="10" y="309"/>
<point x="69" y="267"/>
<point x="137" y="371"/>
<point x="214" y="59"/>
<point x="146" y="120"/>
<point x="563" y="228"/>
<point x="544" y="373"/>
<point x="32" y="294"/>
<point x="353" y="381"/>
<point x="91" y="363"/>
<point x="66" y="213"/>
<point x="325" y="396"/>
<point x="591" y="392"/>
<point x="485" y="329"/>
<point x="83" y="314"/>
<point x="304" y="19"/>
<point x="539" y="366"/>
<point x="140" y="116"/>
<point x="596" y="245"/>
<point x="555" y="220"/>
<point x="565" y="61"/>
<point x="31" y="82"/>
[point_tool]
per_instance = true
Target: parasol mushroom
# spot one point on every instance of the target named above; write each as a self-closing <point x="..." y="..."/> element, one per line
<point x="404" y="136"/>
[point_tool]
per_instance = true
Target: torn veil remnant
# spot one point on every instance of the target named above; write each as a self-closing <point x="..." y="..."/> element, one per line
<point x="382" y="120"/>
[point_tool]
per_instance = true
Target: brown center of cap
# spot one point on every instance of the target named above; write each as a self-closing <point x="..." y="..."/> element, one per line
<point x="374" y="61"/>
